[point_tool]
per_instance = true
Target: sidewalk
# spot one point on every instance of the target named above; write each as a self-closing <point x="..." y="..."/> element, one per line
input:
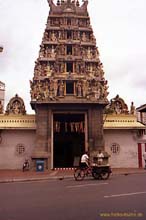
<point x="7" y="176"/>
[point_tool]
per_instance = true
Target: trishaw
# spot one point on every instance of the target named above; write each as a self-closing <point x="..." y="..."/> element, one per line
<point x="97" y="171"/>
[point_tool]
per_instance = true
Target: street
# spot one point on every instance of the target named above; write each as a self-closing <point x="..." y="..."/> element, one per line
<point x="120" y="197"/>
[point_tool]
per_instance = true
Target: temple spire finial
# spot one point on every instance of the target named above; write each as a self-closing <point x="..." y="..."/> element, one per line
<point x="58" y="2"/>
<point x="50" y="2"/>
<point x="77" y="3"/>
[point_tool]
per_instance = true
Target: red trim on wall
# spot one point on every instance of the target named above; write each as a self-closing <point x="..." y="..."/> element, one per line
<point x="140" y="155"/>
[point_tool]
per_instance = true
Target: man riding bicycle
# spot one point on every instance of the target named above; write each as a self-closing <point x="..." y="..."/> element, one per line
<point x="84" y="160"/>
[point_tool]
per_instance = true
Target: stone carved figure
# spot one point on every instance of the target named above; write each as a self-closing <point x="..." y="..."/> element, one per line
<point x="44" y="70"/>
<point x="84" y="37"/>
<point x="83" y="52"/>
<point x="85" y="87"/>
<point x="46" y="94"/>
<point x="53" y="36"/>
<point x="76" y="50"/>
<point x="51" y="90"/>
<point x="49" y="51"/>
<point x="96" y="90"/>
<point x="61" y="88"/>
<point x="132" y="108"/>
<point x="53" y="52"/>
<point x="62" y="68"/>
<point x="105" y="90"/>
<point x="79" y="90"/>
<point x="44" y="90"/>
<point x="37" y="70"/>
<point x="42" y="51"/>
<point x="59" y="35"/>
<point x="16" y="106"/>
<point x="46" y="36"/>
<point x="88" y="53"/>
<point x="49" y="70"/>
<point x="62" y="49"/>
<point x="55" y="87"/>
<point x="1" y="108"/>
<point x="118" y="106"/>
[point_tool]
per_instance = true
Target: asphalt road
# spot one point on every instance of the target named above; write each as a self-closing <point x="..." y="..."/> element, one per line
<point x="120" y="197"/>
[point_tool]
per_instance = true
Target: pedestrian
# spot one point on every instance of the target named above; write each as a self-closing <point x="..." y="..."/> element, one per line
<point x="144" y="157"/>
<point x="84" y="160"/>
<point x="100" y="157"/>
<point x="25" y="165"/>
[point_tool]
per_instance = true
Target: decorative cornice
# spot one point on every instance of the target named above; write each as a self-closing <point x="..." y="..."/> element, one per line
<point x="115" y="121"/>
<point x="17" y="122"/>
<point x="27" y="122"/>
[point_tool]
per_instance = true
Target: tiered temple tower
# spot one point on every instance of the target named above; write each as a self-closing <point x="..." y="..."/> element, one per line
<point x="68" y="90"/>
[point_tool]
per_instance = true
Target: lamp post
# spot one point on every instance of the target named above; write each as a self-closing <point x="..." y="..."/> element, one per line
<point x="1" y="48"/>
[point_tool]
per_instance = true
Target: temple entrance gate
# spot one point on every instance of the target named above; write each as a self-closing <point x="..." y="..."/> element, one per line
<point x="68" y="138"/>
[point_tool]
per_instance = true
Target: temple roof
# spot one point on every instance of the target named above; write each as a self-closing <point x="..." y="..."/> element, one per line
<point x="141" y="108"/>
<point x="2" y="85"/>
<point x="111" y="122"/>
<point x="115" y="121"/>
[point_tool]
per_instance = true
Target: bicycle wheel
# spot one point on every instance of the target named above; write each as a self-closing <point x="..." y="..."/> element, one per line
<point x="96" y="175"/>
<point x="104" y="175"/>
<point x="79" y="174"/>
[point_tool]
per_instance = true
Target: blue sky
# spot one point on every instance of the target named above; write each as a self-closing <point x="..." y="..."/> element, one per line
<point x="120" y="30"/>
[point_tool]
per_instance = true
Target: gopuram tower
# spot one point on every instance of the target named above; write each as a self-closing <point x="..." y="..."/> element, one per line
<point x="68" y="90"/>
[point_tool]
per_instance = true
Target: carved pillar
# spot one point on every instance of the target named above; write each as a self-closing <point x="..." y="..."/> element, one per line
<point x="95" y="128"/>
<point x="41" y="148"/>
<point x="42" y="129"/>
<point x="50" y="129"/>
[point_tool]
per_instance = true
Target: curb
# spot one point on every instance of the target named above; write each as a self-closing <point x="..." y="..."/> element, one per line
<point x="61" y="177"/>
<point x="34" y="179"/>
